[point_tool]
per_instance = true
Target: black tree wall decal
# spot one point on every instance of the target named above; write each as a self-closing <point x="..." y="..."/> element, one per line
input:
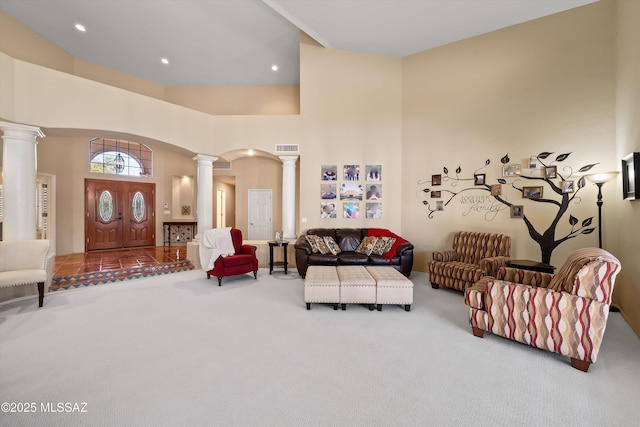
<point x="560" y="184"/>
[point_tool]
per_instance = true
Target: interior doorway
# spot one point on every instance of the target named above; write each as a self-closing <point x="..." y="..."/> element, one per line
<point x="221" y="208"/>
<point x="260" y="214"/>
<point x="119" y="214"/>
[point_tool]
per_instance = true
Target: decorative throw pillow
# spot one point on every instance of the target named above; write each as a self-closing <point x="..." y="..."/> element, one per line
<point x="366" y="246"/>
<point x="313" y="241"/>
<point x="333" y="247"/>
<point x="378" y="247"/>
<point x="389" y="242"/>
<point x="322" y="246"/>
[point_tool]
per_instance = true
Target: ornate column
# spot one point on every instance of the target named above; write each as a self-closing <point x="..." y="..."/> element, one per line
<point x="204" y="197"/>
<point x="19" y="171"/>
<point x="204" y="203"/>
<point x="289" y="196"/>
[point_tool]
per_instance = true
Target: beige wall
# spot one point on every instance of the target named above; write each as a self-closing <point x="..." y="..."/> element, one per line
<point x="220" y="100"/>
<point x="546" y="85"/>
<point x="352" y="114"/>
<point x="627" y="213"/>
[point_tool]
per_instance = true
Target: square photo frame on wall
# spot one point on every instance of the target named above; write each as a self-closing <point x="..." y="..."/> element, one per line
<point x="517" y="211"/>
<point x="510" y="170"/>
<point x="328" y="191"/>
<point x="551" y="172"/>
<point x="351" y="210"/>
<point x="351" y="172"/>
<point x="568" y="186"/>
<point x="374" y="210"/>
<point x="373" y="172"/>
<point x="532" y="192"/>
<point x="374" y="192"/>
<point x="329" y="172"/>
<point x="328" y="210"/>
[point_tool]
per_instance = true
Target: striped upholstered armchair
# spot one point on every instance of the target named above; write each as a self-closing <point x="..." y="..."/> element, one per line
<point x="473" y="256"/>
<point x="565" y="313"/>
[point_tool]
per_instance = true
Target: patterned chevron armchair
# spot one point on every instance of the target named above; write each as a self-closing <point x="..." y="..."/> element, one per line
<point x="565" y="313"/>
<point x="473" y="256"/>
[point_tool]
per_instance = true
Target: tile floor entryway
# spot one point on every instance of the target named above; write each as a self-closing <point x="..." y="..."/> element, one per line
<point x="109" y="266"/>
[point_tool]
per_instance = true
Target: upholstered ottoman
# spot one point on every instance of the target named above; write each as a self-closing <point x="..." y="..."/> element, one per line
<point x="356" y="286"/>
<point x="392" y="287"/>
<point x="321" y="285"/>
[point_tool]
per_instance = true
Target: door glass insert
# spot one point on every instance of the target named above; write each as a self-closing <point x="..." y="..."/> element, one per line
<point x="105" y="206"/>
<point x="138" y="206"/>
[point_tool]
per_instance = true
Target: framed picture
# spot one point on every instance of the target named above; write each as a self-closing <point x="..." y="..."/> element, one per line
<point x="436" y="179"/>
<point x="186" y="210"/>
<point x="517" y="211"/>
<point x="351" y="172"/>
<point x="440" y="205"/>
<point x="630" y="176"/>
<point x="568" y="186"/>
<point x="496" y="189"/>
<point x="479" y="178"/>
<point x="328" y="210"/>
<point x="435" y="194"/>
<point x="350" y="191"/>
<point x="329" y="172"/>
<point x="373" y="172"/>
<point x="532" y="192"/>
<point x="533" y="162"/>
<point x="374" y="192"/>
<point x="374" y="210"/>
<point x="511" y="170"/>
<point x="551" y="172"/>
<point x="351" y="210"/>
<point x="328" y="191"/>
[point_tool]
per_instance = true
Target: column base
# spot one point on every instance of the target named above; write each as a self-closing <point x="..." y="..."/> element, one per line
<point x="193" y="254"/>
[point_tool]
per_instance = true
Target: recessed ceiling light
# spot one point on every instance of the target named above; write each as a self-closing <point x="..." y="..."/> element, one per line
<point x="250" y="152"/>
<point x="274" y="68"/>
<point x="80" y="28"/>
<point x="165" y="61"/>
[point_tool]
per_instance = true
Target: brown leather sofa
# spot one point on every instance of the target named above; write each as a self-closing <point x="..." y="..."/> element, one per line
<point x="400" y="256"/>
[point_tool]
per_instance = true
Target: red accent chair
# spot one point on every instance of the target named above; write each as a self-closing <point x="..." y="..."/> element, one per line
<point x="244" y="260"/>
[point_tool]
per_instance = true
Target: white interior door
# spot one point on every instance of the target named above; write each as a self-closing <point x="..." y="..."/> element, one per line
<point x="221" y="208"/>
<point x="260" y="209"/>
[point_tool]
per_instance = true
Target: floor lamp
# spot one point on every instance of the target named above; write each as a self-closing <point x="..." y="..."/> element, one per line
<point x="599" y="179"/>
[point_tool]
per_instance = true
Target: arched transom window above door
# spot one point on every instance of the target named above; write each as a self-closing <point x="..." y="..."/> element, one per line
<point x="120" y="157"/>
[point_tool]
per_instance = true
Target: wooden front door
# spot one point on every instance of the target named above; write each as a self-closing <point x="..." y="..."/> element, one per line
<point x="119" y="214"/>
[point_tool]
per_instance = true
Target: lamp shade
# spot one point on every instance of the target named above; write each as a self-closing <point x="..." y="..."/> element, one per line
<point x="601" y="178"/>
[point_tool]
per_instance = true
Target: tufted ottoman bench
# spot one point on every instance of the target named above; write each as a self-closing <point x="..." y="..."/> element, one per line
<point x="392" y="287"/>
<point x="356" y="286"/>
<point x="321" y="285"/>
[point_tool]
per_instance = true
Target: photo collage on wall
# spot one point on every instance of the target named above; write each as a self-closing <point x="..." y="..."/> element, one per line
<point x="352" y="187"/>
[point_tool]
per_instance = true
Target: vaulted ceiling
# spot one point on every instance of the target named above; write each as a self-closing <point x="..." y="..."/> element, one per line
<point x="236" y="42"/>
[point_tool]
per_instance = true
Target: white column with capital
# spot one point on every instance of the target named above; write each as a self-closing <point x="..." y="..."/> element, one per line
<point x="289" y="196"/>
<point x="204" y="197"/>
<point x="204" y="203"/>
<point x="19" y="172"/>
